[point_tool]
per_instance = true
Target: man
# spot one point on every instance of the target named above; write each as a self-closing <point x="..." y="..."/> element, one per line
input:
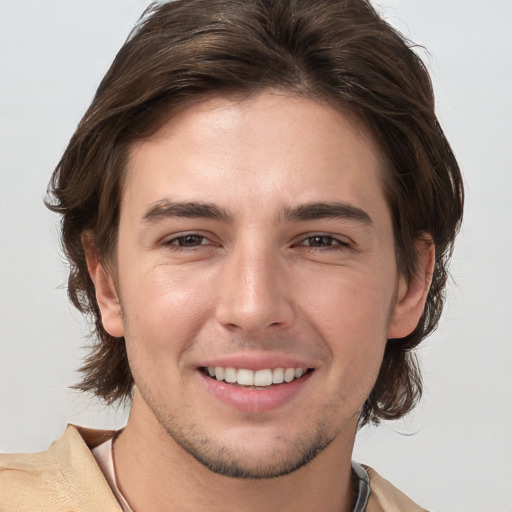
<point x="258" y="208"/>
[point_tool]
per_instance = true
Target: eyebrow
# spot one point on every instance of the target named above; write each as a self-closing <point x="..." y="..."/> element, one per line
<point x="330" y="210"/>
<point x="167" y="209"/>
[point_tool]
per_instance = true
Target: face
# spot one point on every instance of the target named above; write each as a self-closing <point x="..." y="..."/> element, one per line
<point x="256" y="280"/>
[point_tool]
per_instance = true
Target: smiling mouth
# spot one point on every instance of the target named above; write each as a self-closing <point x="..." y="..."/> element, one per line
<point x="255" y="379"/>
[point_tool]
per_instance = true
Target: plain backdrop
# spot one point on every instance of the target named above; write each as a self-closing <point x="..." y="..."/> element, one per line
<point x="455" y="452"/>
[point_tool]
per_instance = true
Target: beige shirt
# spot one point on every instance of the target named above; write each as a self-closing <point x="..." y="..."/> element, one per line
<point x="67" y="478"/>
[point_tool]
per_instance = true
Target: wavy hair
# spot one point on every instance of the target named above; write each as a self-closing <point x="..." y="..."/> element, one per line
<point x="336" y="51"/>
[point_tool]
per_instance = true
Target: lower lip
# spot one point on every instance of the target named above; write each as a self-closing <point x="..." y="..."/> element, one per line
<point x="256" y="400"/>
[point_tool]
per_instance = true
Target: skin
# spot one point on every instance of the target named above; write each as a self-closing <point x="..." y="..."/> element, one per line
<point x="257" y="282"/>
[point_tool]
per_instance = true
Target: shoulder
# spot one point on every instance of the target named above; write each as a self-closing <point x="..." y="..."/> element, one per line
<point x="64" y="477"/>
<point x="385" y="497"/>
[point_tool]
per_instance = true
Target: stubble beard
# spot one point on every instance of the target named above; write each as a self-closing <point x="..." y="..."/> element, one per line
<point x="224" y="461"/>
<point x="238" y="462"/>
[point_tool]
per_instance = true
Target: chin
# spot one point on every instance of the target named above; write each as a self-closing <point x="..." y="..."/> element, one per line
<point x="258" y="460"/>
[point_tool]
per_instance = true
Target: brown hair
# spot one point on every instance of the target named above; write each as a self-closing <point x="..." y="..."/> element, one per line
<point x="336" y="51"/>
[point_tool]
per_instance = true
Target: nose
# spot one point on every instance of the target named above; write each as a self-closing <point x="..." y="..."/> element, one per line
<point x="254" y="294"/>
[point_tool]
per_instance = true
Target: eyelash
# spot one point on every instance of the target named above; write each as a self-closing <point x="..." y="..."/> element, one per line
<point x="177" y="244"/>
<point x="335" y="243"/>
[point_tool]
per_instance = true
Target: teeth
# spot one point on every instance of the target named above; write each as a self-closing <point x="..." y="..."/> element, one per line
<point x="230" y="375"/>
<point x="219" y="373"/>
<point x="258" y="378"/>
<point x="289" y="374"/>
<point x="245" y="377"/>
<point x="278" y="375"/>
<point x="263" y="378"/>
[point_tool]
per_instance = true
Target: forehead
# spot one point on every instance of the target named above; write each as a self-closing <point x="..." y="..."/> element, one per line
<point x="228" y="149"/>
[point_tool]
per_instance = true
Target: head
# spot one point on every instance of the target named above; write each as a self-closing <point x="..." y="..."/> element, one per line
<point x="337" y="53"/>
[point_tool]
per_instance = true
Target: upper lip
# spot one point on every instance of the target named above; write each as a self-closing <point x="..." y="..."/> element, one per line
<point x="255" y="361"/>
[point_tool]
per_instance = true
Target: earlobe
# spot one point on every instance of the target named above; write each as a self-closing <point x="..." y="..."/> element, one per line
<point x="106" y="293"/>
<point x="412" y="295"/>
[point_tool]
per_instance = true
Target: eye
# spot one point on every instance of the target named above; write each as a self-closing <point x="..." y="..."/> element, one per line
<point x="324" y="241"/>
<point x="189" y="240"/>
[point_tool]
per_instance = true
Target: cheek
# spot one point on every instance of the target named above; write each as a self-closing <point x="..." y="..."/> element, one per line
<point x="351" y="316"/>
<point x="350" y="304"/>
<point x="163" y="313"/>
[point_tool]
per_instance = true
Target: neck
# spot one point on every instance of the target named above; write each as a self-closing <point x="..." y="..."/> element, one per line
<point x="155" y="473"/>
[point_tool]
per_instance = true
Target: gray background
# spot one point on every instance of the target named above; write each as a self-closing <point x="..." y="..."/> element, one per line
<point x="455" y="452"/>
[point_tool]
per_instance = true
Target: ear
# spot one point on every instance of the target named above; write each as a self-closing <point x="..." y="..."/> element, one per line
<point x="106" y="294"/>
<point x="412" y="295"/>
